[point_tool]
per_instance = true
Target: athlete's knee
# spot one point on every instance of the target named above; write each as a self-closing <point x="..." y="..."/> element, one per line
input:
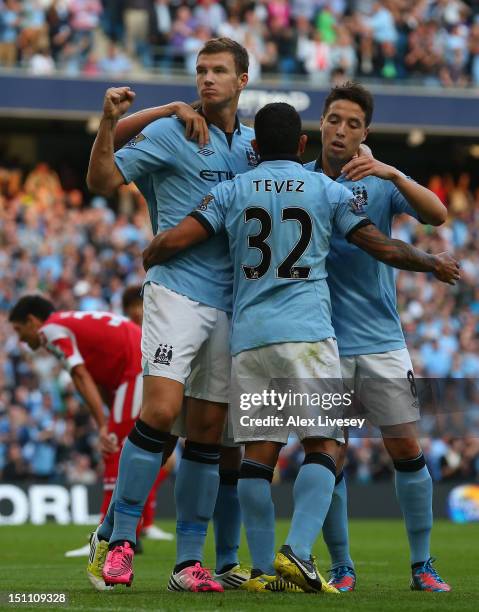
<point x="322" y="445"/>
<point x="205" y="421"/>
<point x="162" y="400"/>
<point x="402" y="449"/>
<point x="230" y="457"/>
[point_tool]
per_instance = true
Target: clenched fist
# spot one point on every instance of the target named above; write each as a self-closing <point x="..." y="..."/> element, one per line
<point x="117" y="101"/>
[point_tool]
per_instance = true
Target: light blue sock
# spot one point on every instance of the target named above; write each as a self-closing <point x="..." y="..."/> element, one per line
<point x="257" y="510"/>
<point x="335" y="527"/>
<point x="312" y="492"/>
<point x="414" y="493"/>
<point x="140" y="462"/>
<point x="227" y="520"/>
<point x="196" y="490"/>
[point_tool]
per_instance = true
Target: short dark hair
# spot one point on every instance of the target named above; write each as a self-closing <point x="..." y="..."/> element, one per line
<point x="227" y="45"/>
<point x="277" y="129"/>
<point x="35" y="305"/>
<point x="130" y="296"/>
<point x="355" y="93"/>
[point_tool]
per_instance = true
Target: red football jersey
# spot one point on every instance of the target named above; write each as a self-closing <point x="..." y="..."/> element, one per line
<point x="108" y="344"/>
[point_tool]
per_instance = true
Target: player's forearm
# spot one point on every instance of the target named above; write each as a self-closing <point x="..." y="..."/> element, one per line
<point x="426" y="203"/>
<point x="393" y="252"/>
<point x="131" y="126"/>
<point x="170" y="242"/>
<point x="102" y="170"/>
<point x="163" y="247"/>
<point x="87" y="388"/>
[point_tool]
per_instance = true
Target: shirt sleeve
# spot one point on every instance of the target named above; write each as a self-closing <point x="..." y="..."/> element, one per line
<point x="61" y="342"/>
<point x="349" y="213"/>
<point x="154" y="149"/>
<point x="211" y="211"/>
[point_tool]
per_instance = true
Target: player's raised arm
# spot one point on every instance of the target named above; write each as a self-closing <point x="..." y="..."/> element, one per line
<point x="196" y="127"/>
<point x="426" y="203"/>
<point x="188" y="232"/>
<point x="103" y="175"/>
<point x="404" y="256"/>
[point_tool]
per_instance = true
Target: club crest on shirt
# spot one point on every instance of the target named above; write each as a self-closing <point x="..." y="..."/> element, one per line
<point x="203" y="205"/>
<point x="360" y="193"/>
<point x="134" y="141"/>
<point x="164" y="354"/>
<point x="252" y="158"/>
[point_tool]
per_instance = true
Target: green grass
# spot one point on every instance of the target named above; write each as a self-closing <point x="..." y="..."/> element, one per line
<point x="32" y="560"/>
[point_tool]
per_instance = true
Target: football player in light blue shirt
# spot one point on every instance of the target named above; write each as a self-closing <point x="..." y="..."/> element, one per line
<point x="279" y="219"/>
<point x="368" y="329"/>
<point x="186" y="316"/>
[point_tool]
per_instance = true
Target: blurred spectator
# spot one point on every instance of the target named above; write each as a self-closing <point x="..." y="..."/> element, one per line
<point x="136" y="17"/>
<point x="210" y="14"/>
<point x="9" y="28"/>
<point x="16" y="468"/>
<point x="115" y="62"/>
<point x="434" y="42"/>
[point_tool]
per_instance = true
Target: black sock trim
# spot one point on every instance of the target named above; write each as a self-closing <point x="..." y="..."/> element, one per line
<point x="182" y="566"/>
<point x="202" y="453"/>
<point x="321" y="459"/>
<point x="339" y="477"/>
<point x="410" y="465"/>
<point x="148" y="438"/>
<point x="112" y="545"/>
<point x="252" y="469"/>
<point x="151" y="432"/>
<point x="229" y="477"/>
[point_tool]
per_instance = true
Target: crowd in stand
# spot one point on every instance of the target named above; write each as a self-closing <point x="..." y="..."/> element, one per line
<point x="83" y="253"/>
<point x="434" y="42"/>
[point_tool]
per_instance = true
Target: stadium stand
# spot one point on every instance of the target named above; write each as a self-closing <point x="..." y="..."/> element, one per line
<point x="431" y="42"/>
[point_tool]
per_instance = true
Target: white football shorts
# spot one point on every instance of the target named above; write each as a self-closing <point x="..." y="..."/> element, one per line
<point x="277" y="390"/>
<point x="384" y="384"/>
<point x="186" y="341"/>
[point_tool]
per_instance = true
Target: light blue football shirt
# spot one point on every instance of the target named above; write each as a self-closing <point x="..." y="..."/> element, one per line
<point x="279" y="219"/>
<point x="363" y="290"/>
<point x="173" y="174"/>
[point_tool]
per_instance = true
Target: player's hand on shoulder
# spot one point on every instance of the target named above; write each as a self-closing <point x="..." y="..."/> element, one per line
<point x="108" y="441"/>
<point x="447" y="268"/>
<point x="117" y="101"/>
<point x="196" y="127"/>
<point x="365" y="164"/>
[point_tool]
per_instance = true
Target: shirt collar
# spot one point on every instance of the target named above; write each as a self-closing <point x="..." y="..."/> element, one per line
<point x="318" y="168"/>
<point x="270" y="158"/>
<point x="237" y="127"/>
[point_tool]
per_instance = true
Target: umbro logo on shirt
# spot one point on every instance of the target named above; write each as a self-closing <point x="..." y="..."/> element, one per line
<point x="206" y="152"/>
<point x="164" y="354"/>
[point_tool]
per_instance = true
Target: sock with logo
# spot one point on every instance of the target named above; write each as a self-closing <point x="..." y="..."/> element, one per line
<point x="196" y="490"/>
<point x="414" y="493"/>
<point x="227" y="521"/>
<point x="312" y="493"/>
<point x="257" y="510"/>
<point x="335" y="527"/>
<point x="140" y="462"/>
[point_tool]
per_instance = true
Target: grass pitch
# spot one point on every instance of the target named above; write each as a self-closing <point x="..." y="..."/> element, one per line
<point x="32" y="560"/>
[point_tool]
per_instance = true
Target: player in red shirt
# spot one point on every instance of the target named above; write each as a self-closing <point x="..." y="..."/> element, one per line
<point x="102" y="353"/>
